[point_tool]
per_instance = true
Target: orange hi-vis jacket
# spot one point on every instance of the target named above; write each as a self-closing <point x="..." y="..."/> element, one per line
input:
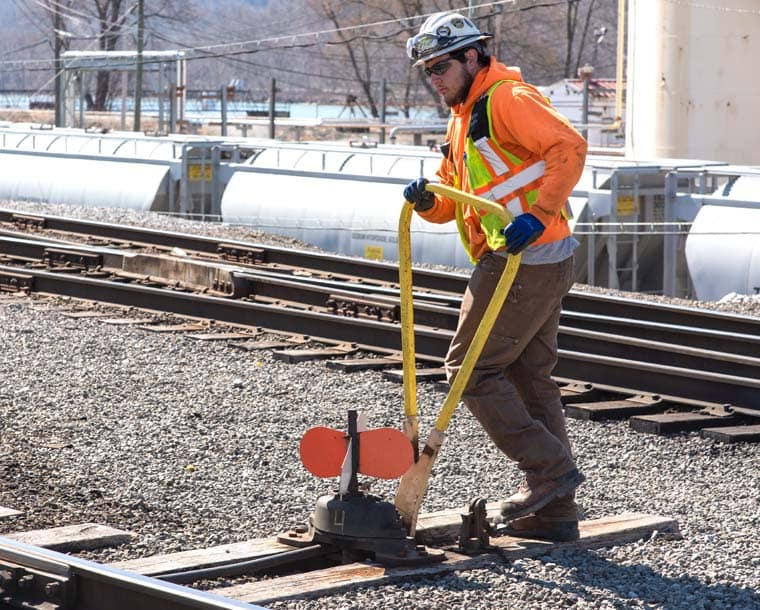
<point x="526" y="133"/>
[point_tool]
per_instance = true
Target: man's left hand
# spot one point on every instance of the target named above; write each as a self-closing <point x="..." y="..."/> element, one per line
<point x="521" y="232"/>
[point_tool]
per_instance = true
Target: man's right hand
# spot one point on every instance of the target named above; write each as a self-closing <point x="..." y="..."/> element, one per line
<point x="415" y="193"/>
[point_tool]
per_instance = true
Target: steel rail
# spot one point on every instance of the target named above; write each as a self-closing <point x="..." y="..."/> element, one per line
<point x="328" y="297"/>
<point x="44" y="578"/>
<point x="250" y="566"/>
<point x="269" y="255"/>
<point x="685" y="334"/>
<point x="369" y="334"/>
<point x="658" y="352"/>
<point x="671" y="375"/>
<point x="424" y="279"/>
<point x="667" y="381"/>
<point x="662" y="313"/>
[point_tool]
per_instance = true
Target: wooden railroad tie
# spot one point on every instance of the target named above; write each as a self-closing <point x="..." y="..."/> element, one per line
<point x="594" y="534"/>
<point x="440" y="528"/>
<point x="228" y="336"/>
<point x="86" y="313"/>
<point x="128" y="321"/>
<point x="307" y="355"/>
<point x="666" y="423"/>
<point x="733" y="434"/>
<point x="174" y="328"/>
<point x="424" y="374"/>
<point x="349" y="365"/>
<point x="74" y="538"/>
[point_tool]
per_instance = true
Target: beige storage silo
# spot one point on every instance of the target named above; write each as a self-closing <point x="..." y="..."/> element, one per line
<point x="692" y="81"/>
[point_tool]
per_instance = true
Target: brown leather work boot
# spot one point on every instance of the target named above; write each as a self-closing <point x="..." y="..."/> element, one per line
<point x="540" y="529"/>
<point x="523" y="490"/>
<point x="532" y="498"/>
<point x="563" y="508"/>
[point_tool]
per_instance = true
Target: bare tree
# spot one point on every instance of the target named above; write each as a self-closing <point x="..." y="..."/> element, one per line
<point x="420" y="11"/>
<point x="111" y="18"/>
<point x="546" y="42"/>
<point x="582" y="45"/>
<point x="324" y="50"/>
<point x="85" y="20"/>
<point x="571" y="25"/>
<point x="378" y="54"/>
<point x="357" y="46"/>
<point x="101" y="24"/>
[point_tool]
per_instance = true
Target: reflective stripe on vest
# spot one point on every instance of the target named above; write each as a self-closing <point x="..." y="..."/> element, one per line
<point x="496" y="173"/>
<point x="516" y="181"/>
<point x="490" y="155"/>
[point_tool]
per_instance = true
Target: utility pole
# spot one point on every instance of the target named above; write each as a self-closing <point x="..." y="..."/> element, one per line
<point x="223" y="106"/>
<point x="585" y="73"/>
<point x="139" y="71"/>
<point x="58" y="77"/>
<point x="272" y="107"/>
<point x="383" y="108"/>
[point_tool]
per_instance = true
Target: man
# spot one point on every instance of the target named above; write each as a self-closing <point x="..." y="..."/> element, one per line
<point x="506" y="143"/>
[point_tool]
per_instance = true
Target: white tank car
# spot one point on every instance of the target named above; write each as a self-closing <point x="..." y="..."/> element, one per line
<point x="723" y="245"/>
<point x="341" y="199"/>
<point x="82" y="181"/>
<point x="356" y="218"/>
<point x="74" y="167"/>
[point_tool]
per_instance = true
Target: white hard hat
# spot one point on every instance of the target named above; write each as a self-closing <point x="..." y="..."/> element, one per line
<point x="440" y="34"/>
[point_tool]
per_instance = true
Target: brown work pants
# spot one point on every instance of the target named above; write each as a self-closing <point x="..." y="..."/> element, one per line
<point x="510" y="391"/>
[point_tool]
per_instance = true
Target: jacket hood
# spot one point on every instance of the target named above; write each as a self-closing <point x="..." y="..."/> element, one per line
<point x="494" y="72"/>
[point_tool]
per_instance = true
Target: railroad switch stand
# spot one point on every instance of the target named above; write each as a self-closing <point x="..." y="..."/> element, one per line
<point x="355" y="522"/>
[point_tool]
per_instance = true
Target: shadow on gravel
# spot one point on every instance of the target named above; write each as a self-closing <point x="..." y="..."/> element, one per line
<point x="639" y="584"/>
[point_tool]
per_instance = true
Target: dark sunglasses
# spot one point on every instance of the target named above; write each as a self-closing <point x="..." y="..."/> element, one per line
<point x="440" y="68"/>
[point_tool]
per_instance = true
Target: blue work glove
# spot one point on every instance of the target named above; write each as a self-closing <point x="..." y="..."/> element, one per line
<point x="415" y="193"/>
<point x="521" y="232"/>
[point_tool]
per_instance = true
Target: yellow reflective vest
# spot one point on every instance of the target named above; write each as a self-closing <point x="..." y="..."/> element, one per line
<point x="518" y="151"/>
<point x="499" y="175"/>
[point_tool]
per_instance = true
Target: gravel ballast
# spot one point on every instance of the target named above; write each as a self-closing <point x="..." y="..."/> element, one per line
<point x="192" y="443"/>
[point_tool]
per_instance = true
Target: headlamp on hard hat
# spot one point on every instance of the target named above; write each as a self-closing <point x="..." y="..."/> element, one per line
<point x="440" y="34"/>
<point x="423" y="45"/>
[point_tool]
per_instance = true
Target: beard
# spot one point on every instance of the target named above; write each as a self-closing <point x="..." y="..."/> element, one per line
<point x="452" y="98"/>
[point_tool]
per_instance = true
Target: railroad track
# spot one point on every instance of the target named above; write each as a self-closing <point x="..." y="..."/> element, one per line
<point x="618" y="358"/>
<point x="33" y="576"/>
